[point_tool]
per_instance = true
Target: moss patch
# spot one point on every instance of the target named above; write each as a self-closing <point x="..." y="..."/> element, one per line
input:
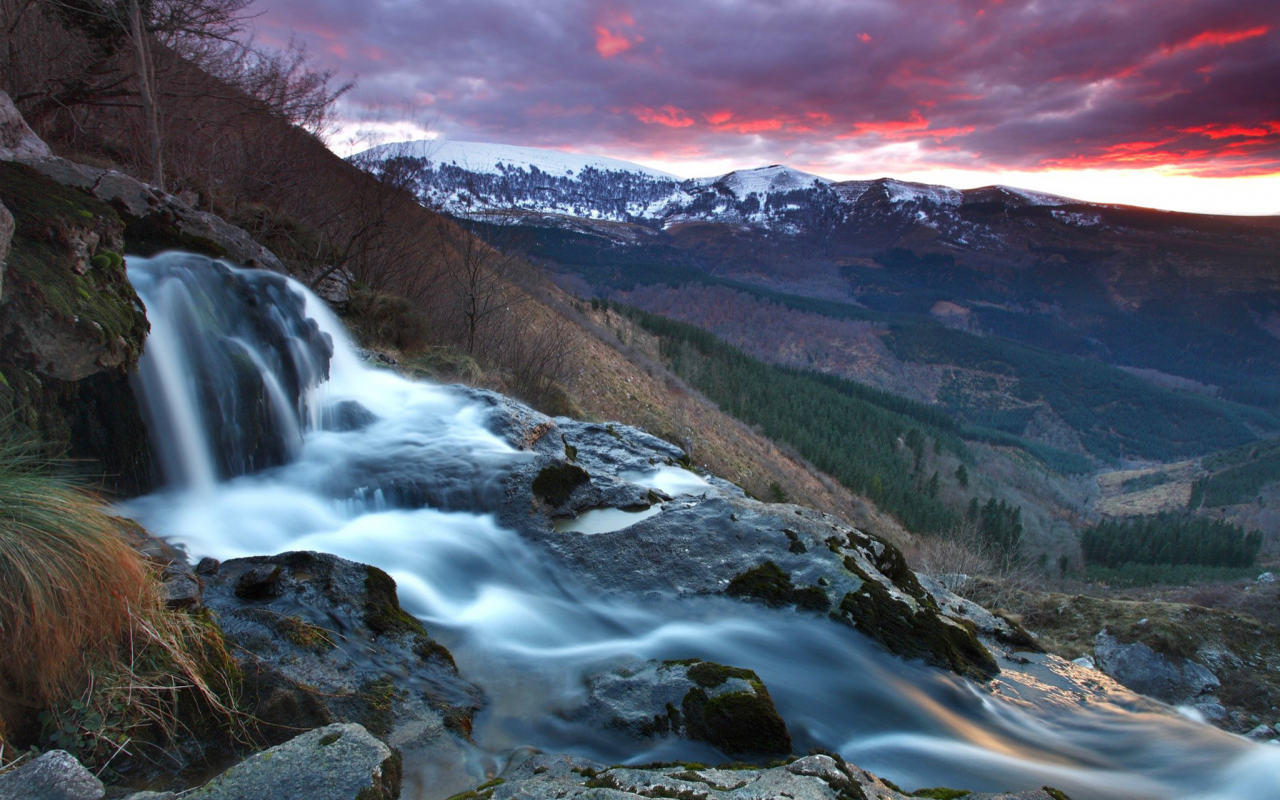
<point x="384" y="616"/>
<point x="1056" y="794"/>
<point x="770" y="585"/>
<point x="941" y="793"/>
<point x="737" y="722"/>
<point x="156" y="233"/>
<point x="709" y="675"/>
<point x="379" y="697"/>
<point x="920" y="634"/>
<point x="556" y="482"/>
<point x="305" y="635"/>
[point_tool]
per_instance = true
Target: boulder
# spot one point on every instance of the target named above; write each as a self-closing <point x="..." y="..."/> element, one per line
<point x="726" y="707"/>
<point x="322" y="639"/>
<point x="56" y="775"/>
<point x="814" y="777"/>
<point x="336" y="762"/>
<point x="1137" y="666"/>
<point x="17" y="140"/>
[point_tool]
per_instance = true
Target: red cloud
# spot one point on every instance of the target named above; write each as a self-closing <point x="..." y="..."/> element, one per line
<point x="670" y="116"/>
<point x="888" y="129"/>
<point x="610" y="44"/>
<point x="1218" y="39"/>
<point x="1230" y="131"/>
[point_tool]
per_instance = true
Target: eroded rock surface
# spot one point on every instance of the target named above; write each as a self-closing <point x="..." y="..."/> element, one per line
<point x="336" y="762"/>
<point x="323" y="639"/>
<point x="814" y="777"/>
<point x="56" y="775"/>
<point x="1175" y="681"/>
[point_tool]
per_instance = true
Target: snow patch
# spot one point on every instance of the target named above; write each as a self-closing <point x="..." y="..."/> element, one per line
<point x="489" y="159"/>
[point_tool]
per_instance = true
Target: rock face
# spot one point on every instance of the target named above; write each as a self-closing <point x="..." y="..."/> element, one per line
<point x="712" y="539"/>
<point x="6" y="240"/>
<point x="814" y="777"/>
<point x="1137" y="666"/>
<point x="336" y="762"/>
<point x="726" y="707"/>
<point x="56" y="775"/>
<point x="71" y="326"/>
<point x="322" y="639"/>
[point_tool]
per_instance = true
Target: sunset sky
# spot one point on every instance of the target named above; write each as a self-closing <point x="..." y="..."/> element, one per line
<point x="1166" y="103"/>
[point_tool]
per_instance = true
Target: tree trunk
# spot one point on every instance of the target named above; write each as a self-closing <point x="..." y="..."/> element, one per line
<point x="146" y="89"/>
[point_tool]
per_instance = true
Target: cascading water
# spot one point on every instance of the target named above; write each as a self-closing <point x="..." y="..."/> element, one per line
<point x="272" y="436"/>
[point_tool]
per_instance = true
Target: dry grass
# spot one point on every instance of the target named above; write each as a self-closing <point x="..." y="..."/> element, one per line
<point x="93" y="662"/>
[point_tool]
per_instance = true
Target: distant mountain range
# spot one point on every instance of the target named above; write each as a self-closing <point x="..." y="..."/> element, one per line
<point x="469" y="177"/>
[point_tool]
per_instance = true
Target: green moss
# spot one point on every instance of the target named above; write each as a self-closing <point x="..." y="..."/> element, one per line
<point x="737" y="722"/>
<point x="556" y="482"/>
<point x="769" y="584"/>
<point x="382" y="611"/>
<point x="1056" y="794"/>
<point x="941" y="793"/>
<point x="922" y="634"/>
<point x="379" y="697"/>
<point x="329" y="738"/>
<point x="710" y="675"/>
<point x="388" y="786"/>
<point x="482" y="792"/>
<point x="305" y="635"/>
<point x="384" y="616"/>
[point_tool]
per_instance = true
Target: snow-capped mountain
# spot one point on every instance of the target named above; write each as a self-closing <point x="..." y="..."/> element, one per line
<point x="470" y="178"/>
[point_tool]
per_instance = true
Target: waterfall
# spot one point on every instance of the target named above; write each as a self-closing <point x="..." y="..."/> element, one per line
<point x="272" y="435"/>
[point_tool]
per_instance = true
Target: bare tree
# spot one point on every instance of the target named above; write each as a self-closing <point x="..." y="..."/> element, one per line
<point x="481" y="273"/>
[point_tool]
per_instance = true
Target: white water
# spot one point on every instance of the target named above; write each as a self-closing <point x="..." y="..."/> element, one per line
<point x="408" y="492"/>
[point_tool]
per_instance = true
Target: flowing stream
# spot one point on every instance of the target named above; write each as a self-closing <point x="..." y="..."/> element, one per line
<point x="252" y="394"/>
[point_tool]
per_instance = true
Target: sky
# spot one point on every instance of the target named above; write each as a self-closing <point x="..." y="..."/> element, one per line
<point x="1162" y="103"/>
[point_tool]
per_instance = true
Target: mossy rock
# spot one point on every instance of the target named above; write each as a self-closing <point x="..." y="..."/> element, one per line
<point x="556" y="482"/>
<point x="68" y="301"/>
<point x="155" y="233"/>
<point x="384" y="616"/>
<point x="736" y="722"/>
<point x="919" y="634"/>
<point x="769" y="584"/>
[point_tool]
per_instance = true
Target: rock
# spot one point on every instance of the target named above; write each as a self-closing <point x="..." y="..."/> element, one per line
<point x="323" y="639"/>
<point x="1213" y="712"/>
<point x="71" y="328"/>
<point x="726" y="707"/>
<point x="1267" y="577"/>
<point x="152" y="796"/>
<point x="207" y="566"/>
<point x="814" y="777"/>
<point x="336" y="762"/>
<point x="182" y="588"/>
<point x="56" y="775"/>
<point x="1137" y="666"/>
<point x="1085" y="661"/>
<point x="17" y="140"/>
<point x="1261" y="733"/>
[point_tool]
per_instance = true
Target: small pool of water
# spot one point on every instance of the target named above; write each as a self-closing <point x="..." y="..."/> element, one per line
<point x="603" y="520"/>
<point x="673" y="481"/>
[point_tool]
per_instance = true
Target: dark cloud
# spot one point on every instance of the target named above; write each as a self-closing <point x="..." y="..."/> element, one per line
<point x="1018" y="84"/>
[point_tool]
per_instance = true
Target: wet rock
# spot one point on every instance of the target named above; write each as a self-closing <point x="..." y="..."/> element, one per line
<point x="56" y="775"/>
<point x="726" y="707"/>
<point x="1267" y="577"/>
<point x="1261" y="733"/>
<point x="1213" y="712"/>
<point x="258" y="583"/>
<point x="152" y="796"/>
<point x="207" y="566"/>
<point x="330" y="642"/>
<point x="17" y="140"/>
<point x="814" y="777"/>
<point x="347" y="415"/>
<point x="182" y="588"/>
<point x="1137" y="666"/>
<point x="336" y="762"/>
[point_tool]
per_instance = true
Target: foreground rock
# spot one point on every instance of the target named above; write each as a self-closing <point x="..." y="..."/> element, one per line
<point x="322" y="639"/>
<point x="726" y="707"/>
<point x="336" y="762"/>
<point x="56" y="775"/>
<point x="815" y="777"/>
